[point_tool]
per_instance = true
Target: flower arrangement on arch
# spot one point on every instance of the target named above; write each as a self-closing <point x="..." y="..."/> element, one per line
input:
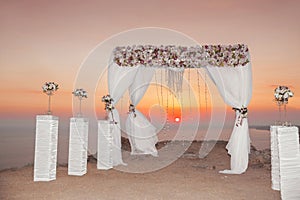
<point x="182" y="57"/>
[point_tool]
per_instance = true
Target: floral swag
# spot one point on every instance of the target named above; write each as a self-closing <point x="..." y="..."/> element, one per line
<point x="182" y="57"/>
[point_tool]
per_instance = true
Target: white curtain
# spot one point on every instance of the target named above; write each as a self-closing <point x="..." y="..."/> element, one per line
<point x="142" y="134"/>
<point x="235" y="87"/>
<point x="119" y="80"/>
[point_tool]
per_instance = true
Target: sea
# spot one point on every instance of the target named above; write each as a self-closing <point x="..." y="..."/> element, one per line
<point x="17" y="143"/>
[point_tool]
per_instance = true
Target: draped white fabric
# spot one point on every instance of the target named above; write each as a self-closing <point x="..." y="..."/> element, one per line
<point x="141" y="132"/>
<point x="235" y="87"/>
<point x="119" y="79"/>
<point x="233" y="82"/>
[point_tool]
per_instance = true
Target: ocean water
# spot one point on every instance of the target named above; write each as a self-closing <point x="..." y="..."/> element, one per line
<point x="18" y="140"/>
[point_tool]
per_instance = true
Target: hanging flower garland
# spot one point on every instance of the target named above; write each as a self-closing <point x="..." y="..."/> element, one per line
<point x="109" y="105"/>
<point x="182" y="57"/>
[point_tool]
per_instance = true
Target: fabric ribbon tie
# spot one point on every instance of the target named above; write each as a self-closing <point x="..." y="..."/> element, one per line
<point x="132" y="110"/>
<point x="243" y="113"/>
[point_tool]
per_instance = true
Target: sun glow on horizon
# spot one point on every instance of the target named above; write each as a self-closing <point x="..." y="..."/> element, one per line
<point x="177" y="119"/>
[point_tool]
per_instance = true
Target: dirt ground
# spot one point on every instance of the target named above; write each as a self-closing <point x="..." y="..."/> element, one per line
<point x="146" y="177"/>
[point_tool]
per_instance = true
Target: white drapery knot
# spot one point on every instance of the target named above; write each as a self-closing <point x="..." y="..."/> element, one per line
<point x="132" y="110"/>
<point x="242" y="114"/>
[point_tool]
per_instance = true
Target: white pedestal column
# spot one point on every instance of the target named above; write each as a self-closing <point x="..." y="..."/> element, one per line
<point x="275" y="159"/>
<point x="78" y="145"/>
<point x="287" y="139"/>
<point x="104" y="155"/>
<point x="45" y="148"/>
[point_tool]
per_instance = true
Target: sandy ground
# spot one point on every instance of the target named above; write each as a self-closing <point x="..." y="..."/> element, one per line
<point x="188" y="177"/>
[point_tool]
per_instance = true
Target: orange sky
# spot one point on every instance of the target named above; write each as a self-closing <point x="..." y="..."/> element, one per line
<point x="48" y="40"/>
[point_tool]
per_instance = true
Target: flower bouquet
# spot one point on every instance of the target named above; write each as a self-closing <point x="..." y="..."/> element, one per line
<point x="80" y="93"/>
<point x="49" y="88"/>
<point x="282" y="95"/>
<point x="109" y="106"/>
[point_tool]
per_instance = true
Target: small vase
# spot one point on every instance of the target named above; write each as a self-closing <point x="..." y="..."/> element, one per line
<point x="49" y="102"/>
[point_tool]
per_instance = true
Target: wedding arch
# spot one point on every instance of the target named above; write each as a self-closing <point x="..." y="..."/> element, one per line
<point x="132" y="68"/>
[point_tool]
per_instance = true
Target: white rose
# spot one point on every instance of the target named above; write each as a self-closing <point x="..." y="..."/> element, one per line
<point x="286" y="95"/>
<point x="45" y="87"/>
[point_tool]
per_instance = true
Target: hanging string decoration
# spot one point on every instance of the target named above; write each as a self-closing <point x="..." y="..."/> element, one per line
<point x="167" y="126"/>
<point x="161" y="88"/>
<point x="159" y="93"/>
<point x="174" y="80"/>
<point x="156" y="85"/>
<point x="49" y="88"/>
<point x="173" y="105"/>
<point x="199" y="95"/>
<point x="205" y="92"/>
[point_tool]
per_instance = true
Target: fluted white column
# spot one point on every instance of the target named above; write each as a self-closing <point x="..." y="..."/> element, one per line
<point x="274" y="159"/>
<point x="104" y="155"/>
<point x="289" y="160"/>
<point x="45" y="148"/>
<point x="78" y="144"/>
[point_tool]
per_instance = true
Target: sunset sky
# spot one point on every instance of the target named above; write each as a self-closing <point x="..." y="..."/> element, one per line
<point x="49" y="40"/>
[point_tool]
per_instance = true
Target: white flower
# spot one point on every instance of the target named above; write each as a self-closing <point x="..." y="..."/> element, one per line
<point x="49" y="87"/>
<point x="285" y="95"/>
<point x="80" y="93"/>
<point x="282" y="94"/>
<point x="45" y="87"/>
